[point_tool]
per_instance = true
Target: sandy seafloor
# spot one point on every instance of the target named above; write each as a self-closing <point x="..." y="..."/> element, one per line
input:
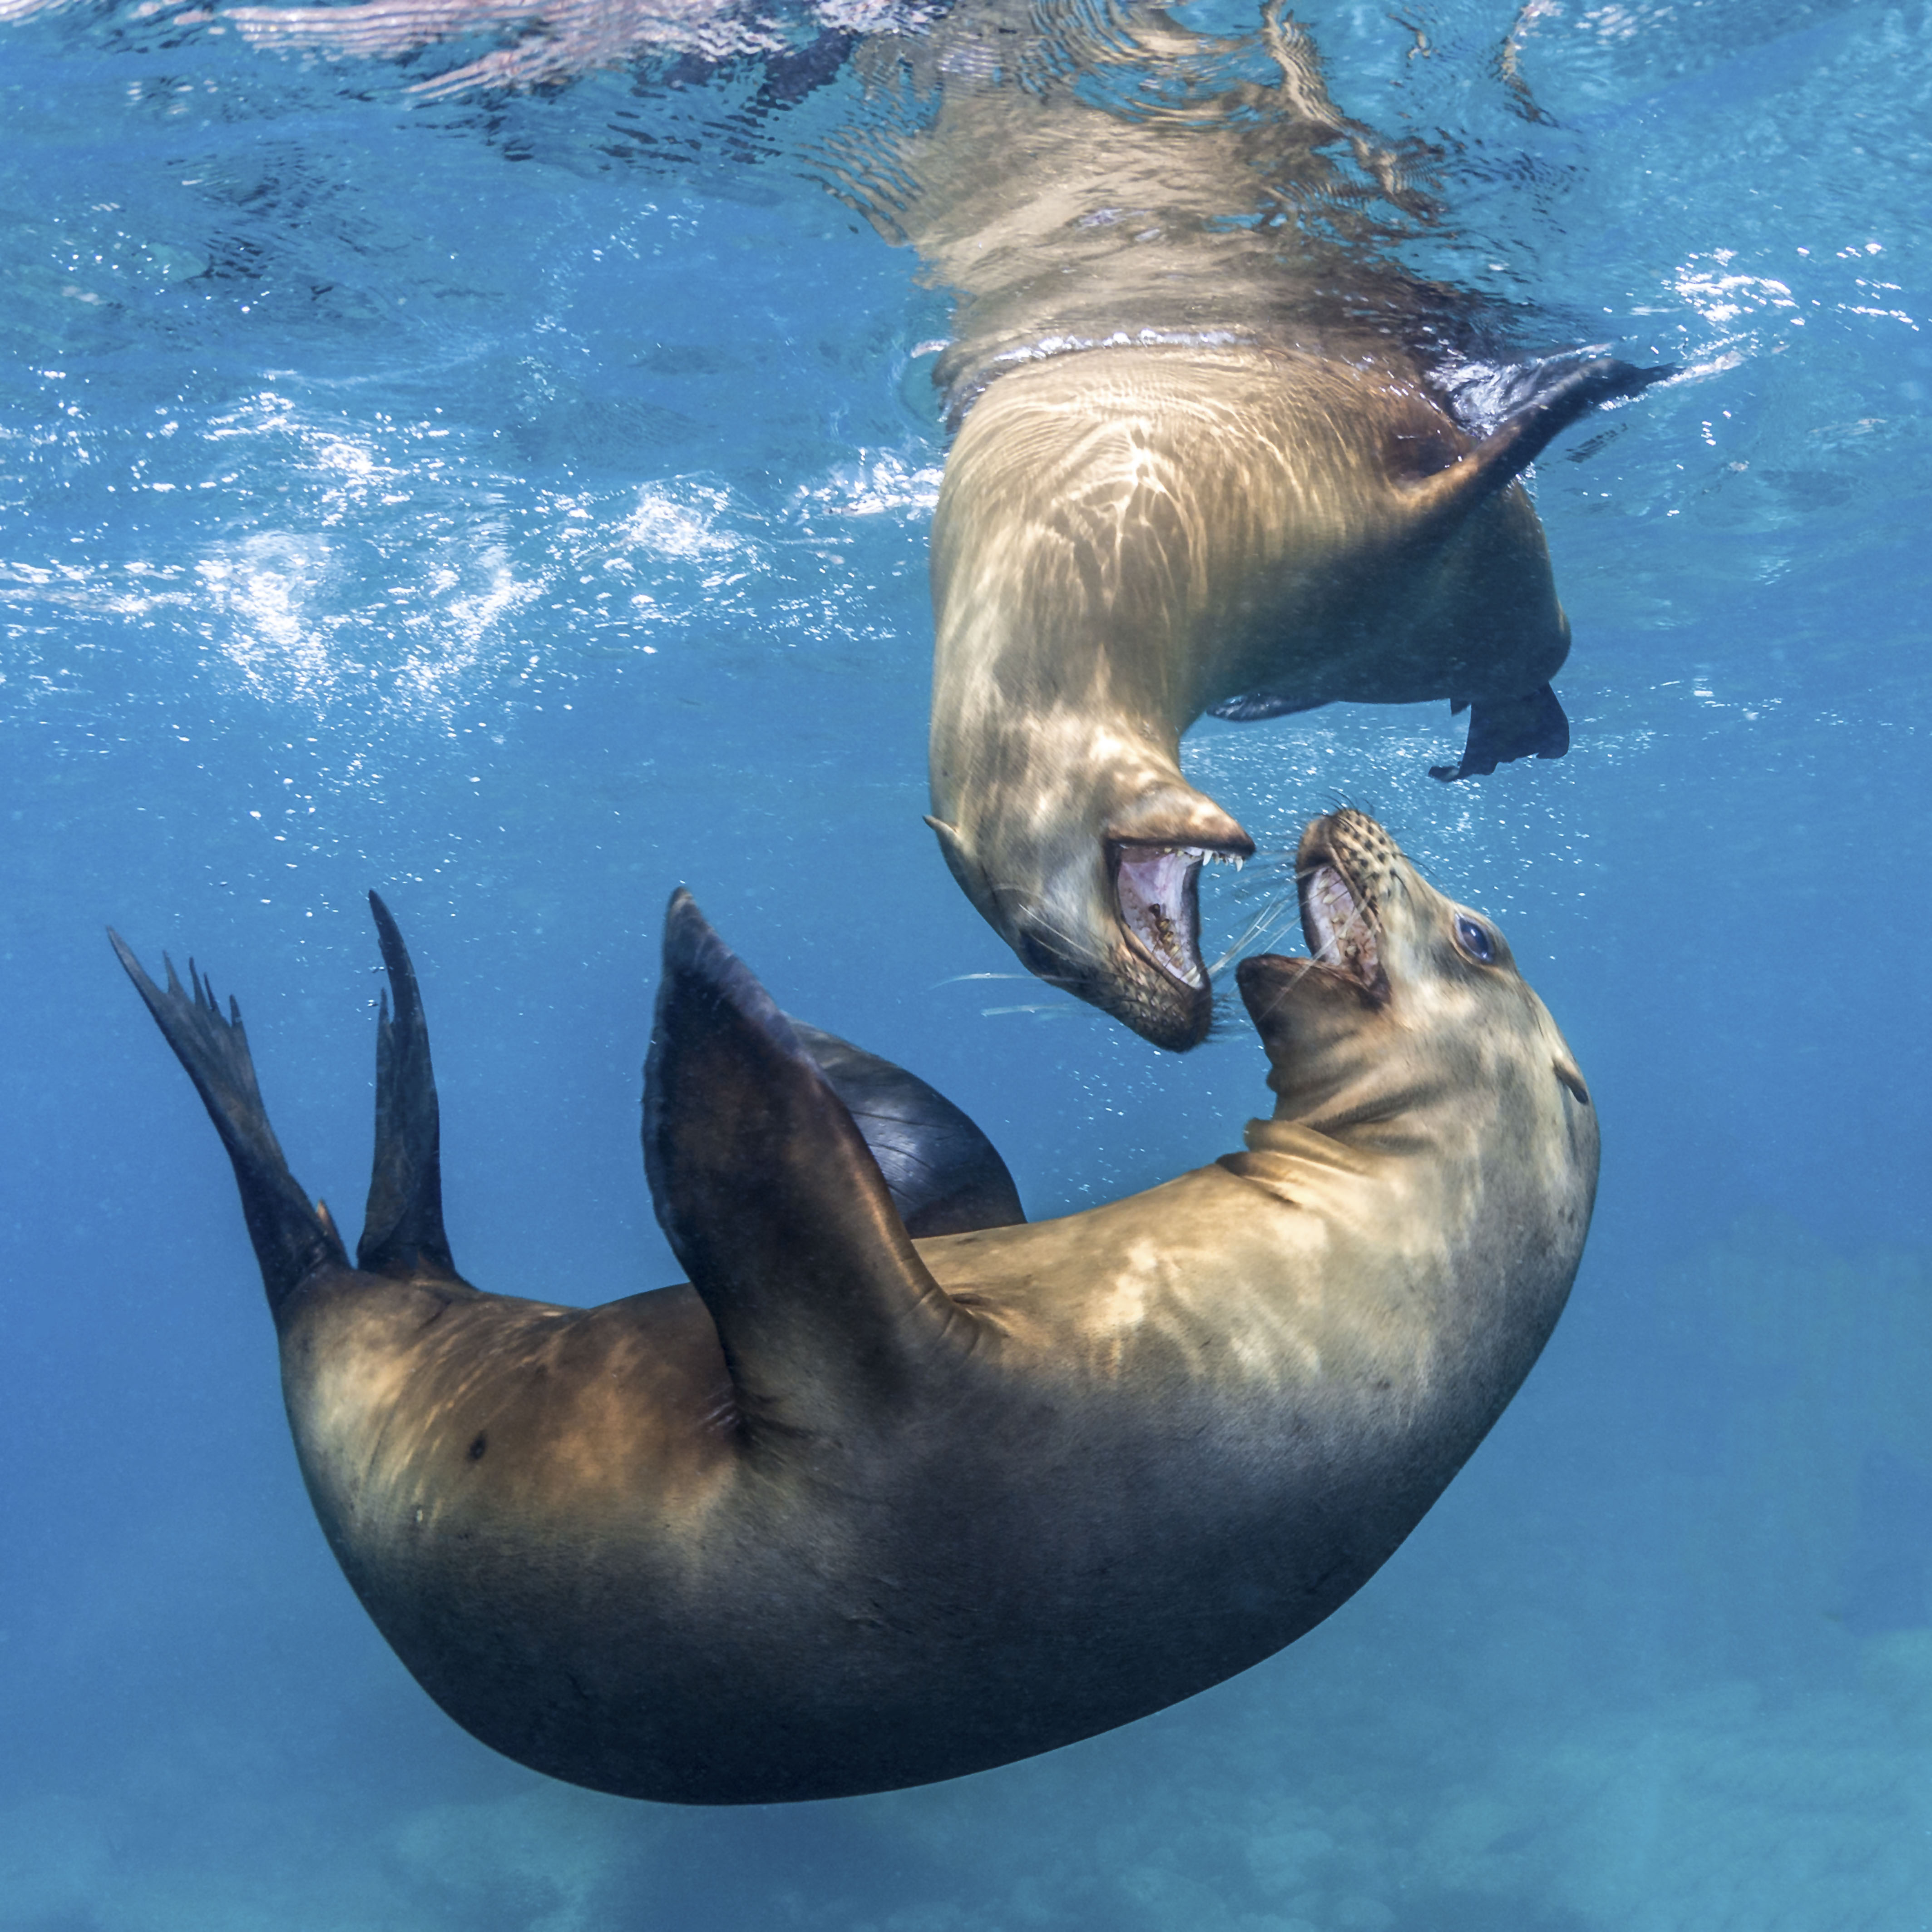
<point x="519" y="504"/>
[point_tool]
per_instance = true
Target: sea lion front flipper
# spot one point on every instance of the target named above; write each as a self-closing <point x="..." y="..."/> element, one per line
<point x="1501" y="729"/>
<point x="774" y="1205"/>
<point x="292" y="1237"/>
<point x="1522" y="435"/>
<point x="945" y="1176"/>
<point x="402" y="1227"/>
<point x="1253" y="706"/>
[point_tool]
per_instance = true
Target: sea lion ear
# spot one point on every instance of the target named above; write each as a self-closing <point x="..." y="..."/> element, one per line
<point x="1522" y="436"/>
<point x="773" y="1203"/>
<point x="959" y="861"/>
<point x="944" y="1175"/>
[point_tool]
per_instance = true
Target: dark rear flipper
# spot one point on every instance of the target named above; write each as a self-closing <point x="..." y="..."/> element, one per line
<point x="293" y="1238"/>
<point x="944" y="1175"/>
<point x="1506" y="728"/>
<point x="1484" y="393"/>
<point x="402" y="1229"/>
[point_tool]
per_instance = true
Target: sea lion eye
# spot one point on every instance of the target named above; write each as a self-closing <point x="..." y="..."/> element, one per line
<point x="1475" y="940"/>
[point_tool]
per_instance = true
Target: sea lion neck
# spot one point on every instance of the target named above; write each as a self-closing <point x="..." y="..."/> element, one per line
<point x="1341" y="1066"/>
<point x="1065" y="566"/>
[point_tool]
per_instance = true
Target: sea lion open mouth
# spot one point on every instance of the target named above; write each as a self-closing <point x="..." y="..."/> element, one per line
<point x="1158" y="888"/>
<point x="1338" y="924"/>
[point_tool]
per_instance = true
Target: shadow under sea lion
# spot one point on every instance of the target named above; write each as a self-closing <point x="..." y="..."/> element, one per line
<point x="1220" y="452"/>
<point x="854" y="1510"/>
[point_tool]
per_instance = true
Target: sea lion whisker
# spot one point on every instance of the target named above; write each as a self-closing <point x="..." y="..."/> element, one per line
<point x="1041" y="1009"/>
<point x="957" y="978"/>
<point x="1264" y="877"/>
<point x="1263" y="926"/>
<point x="1040" y="923"/>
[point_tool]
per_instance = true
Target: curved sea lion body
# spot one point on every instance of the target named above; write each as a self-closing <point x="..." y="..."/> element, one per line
<point x="1128" y="537"/>
<point x="853" y="1511"/>
<point x="1217" y="451"/>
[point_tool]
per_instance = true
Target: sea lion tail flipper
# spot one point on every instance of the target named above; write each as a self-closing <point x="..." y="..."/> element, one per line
<point x="1501" y="729"/>
<point x="402" y="1235"/>
<point x="772" y="1201"/>
<point x="944" y="1175"/>
<point x="1522" y="435"/>
<point x="293" y="1237"/>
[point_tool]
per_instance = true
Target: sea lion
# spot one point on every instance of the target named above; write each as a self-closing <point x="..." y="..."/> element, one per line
<point x="852" y="1511"/>
<point x="1128" y="537"/>
<point x="1217" y="451"/>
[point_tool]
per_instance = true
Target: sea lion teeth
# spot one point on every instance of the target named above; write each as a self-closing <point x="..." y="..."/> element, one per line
<point x="853" y="1511"/>
<point x="1330" y="908"/>
<point x="1158" y="888"/>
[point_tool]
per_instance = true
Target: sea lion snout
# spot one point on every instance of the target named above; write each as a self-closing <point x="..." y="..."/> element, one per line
<point x="1368" y="913"/>
<point x="1105" y="906"/>
<point x="1307" y="1010"/>
<point x="1174" y="814"/>
<point x="1393" y="962"/>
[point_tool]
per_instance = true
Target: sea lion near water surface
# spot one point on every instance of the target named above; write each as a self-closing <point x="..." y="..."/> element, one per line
<point x="1217" y="451"/>
<point x="855" y="1510"/>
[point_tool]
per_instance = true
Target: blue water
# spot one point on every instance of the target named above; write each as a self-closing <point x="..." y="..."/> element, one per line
<point x="519" y="504"/>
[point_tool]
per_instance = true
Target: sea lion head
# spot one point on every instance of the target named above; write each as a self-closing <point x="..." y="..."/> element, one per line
<point x="1093" y="880"/>
<point x="1409" y="1005"/>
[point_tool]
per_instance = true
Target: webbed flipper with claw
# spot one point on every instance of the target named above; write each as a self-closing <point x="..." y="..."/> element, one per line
<point x="1507" y="728"/>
